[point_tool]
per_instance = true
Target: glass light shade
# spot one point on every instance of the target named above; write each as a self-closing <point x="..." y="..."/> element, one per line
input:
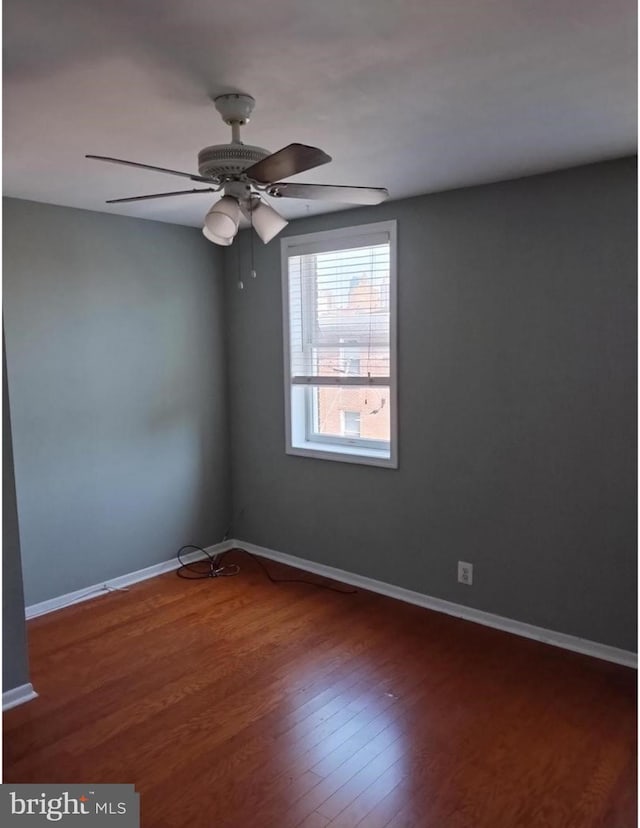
<point x="223" y="218"/>
<point x="224" y="241"/>
<point x="267" y="222"/>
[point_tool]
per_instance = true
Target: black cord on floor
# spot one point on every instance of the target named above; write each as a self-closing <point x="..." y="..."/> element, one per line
<point x="273" y="580"/>
<point x="213" y="567"/>
<point x="209" y="568"/>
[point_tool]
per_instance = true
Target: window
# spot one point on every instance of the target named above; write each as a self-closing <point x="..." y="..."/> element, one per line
<point x="351" y="423"/>
<point x="339" y="291"/>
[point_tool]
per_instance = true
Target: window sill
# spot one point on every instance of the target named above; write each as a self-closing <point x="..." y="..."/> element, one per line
<point x="344" y="454"/>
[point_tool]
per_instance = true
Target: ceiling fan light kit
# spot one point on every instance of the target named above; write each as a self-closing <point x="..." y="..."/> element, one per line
<point x="266" y="221"/>
<point x="224" y="241"/>
<point x="245" y="174"/>
<point x="224" y="217"/>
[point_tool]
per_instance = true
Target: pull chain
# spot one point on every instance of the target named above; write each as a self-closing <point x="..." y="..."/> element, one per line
<point x="253" y="269"/>
<point x="240" y="282"/>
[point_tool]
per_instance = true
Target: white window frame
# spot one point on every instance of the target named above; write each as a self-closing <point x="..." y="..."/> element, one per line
<point x="297" y="410"/>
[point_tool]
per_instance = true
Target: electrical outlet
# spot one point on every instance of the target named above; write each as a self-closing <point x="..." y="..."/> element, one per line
<point x="465" y="573"/>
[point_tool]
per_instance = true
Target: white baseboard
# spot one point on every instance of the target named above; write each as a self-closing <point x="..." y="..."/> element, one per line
<point x="120" y="582"/>
<point x="18" y="695"/>
<point x="557" y="639"/>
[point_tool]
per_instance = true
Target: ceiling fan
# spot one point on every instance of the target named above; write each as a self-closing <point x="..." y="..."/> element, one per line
<point x="245" y="174"/>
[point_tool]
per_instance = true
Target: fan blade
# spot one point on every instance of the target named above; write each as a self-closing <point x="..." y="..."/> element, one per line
<point x="295" y="158"/>
<point x="192" y="176"/>
<point x="330" y="192"/>
<point x="161" y="195"/>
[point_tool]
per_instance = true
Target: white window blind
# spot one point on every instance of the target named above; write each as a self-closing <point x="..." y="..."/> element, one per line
<point x="339" y="311"/>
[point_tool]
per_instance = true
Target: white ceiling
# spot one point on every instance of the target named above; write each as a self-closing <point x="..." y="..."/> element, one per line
<point x="414" y="95"/>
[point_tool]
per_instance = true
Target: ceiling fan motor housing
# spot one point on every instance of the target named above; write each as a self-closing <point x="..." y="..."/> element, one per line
<point x="222" y="160"/>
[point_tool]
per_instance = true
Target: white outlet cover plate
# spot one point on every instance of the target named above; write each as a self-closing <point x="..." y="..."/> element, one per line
<point x="465" y="573"/>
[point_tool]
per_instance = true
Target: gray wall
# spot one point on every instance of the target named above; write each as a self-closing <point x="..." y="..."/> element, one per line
<point x="117" y="370"/>
<point x="15" y="667"/>
<point x="517" y="404"/>
<point x="517" y="331"/>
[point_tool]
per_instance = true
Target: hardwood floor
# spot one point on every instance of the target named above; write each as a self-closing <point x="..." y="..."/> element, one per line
<point x="235" y="702"/>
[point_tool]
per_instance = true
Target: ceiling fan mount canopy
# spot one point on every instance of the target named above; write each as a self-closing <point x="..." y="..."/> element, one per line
<point x="229" y="160"/>
<point x="235" y="108"/>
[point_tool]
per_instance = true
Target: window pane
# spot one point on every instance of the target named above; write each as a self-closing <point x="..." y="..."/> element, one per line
<point x="353" y="412"/>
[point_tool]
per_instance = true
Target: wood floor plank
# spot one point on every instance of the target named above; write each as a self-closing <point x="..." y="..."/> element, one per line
<point x="386" y="808"/>
<point x="237" y="702"/>
<point x="384" y="766"/>
<point x="314" y="820"/>
<point x="360" y="808"/>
